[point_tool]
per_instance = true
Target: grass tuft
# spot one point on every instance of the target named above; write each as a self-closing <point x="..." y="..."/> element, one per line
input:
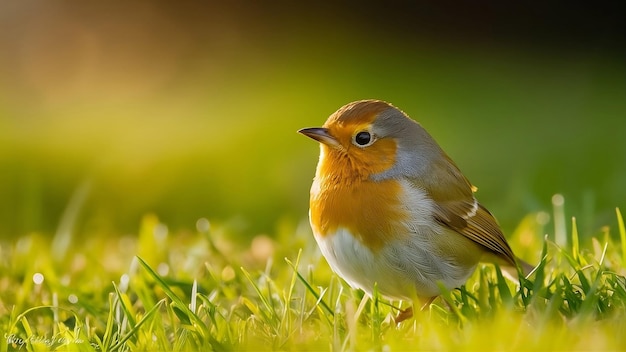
<point x="187" y="296"/>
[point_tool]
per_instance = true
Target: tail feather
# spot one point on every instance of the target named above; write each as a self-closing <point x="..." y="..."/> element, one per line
<point x="511" y="273"/>
<point x="526" y="267"/>
<point x="509" y="269"/>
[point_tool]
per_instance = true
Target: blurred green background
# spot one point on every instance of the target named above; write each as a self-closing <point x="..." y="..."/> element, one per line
<point x="189" y="110"/>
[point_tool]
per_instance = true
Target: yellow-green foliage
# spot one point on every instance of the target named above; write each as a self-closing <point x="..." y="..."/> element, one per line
<point x="199" y="291"/>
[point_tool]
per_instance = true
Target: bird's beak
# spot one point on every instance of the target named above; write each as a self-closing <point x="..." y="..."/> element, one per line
<point x="321" y="135"/>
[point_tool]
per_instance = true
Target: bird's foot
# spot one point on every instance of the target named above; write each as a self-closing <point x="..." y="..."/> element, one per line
<point x="408" y="313"/>
<point x="404" y="315"/>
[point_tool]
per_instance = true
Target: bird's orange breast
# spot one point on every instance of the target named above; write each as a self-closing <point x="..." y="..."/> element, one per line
<point x="371" y="211"/>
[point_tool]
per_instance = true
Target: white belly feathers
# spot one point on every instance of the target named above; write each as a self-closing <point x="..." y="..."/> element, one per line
<point x="407" y="266"/>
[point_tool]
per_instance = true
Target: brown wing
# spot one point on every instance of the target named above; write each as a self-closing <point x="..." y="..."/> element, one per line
<point x="475" y="222"/>
<point x="458" y="209"/>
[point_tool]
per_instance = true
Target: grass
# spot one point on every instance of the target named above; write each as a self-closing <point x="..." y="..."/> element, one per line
<point x="99" y="124"/>
<point x="201" y="291"/>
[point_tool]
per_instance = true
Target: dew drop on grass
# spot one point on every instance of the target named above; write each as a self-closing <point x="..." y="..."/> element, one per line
<point x="228" y="273"/>
<point x="558" y="200"/>
<point x="262" y="248"/>
<point x="203" y="225"/>
<point x="543" y="218"/>
<point x="38" y="278"/>
<point x="72" y="298"/>
<point x="163" y="269"/>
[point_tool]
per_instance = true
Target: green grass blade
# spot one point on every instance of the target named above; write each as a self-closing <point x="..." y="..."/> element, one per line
<point x="122" y="301"/>
<point x="375" y="316"/>
<point x="109" y="334"/>
<point x="289" y="293"/>
<point x="540" y="273"/>
<point x="503" y="288"/>
<point x="584" y="283"/>
<point x="177" y="301"/>
<point x="311" y="290"/>
<point x="447" y="296"/>
<point x="622" y="234"/>
<point x="135" y="328"/>
<point x="575" y="245"/>
<point x="270" y="315"/>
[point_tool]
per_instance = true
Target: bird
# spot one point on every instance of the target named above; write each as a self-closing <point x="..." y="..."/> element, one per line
<point x="390" y="209"/>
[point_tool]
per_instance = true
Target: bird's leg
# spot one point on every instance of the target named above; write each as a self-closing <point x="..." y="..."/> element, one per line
<point x="428" y="303"/>
<point x="404" y="315"/>
<point x="408" y="313"/>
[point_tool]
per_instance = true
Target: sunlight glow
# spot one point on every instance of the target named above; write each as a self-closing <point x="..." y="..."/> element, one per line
<point x="203" y="225"/>
<point x="228" y="273"/>
<point x="163" y="269"/>
<point x="72" y="298"/>
<point x="38" y="278"/>
<point x="124" y="280"/>
<point x="160" y="233"/>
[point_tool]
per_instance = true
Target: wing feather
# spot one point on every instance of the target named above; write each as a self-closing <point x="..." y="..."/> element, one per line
<point x="457" y="209"/>
<point x="480" y="227"/>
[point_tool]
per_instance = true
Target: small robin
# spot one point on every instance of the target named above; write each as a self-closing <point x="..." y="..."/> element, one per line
<point x="389" y="207"/>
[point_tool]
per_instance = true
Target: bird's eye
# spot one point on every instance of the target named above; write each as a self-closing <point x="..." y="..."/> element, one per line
<point x="363" y="138"/>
